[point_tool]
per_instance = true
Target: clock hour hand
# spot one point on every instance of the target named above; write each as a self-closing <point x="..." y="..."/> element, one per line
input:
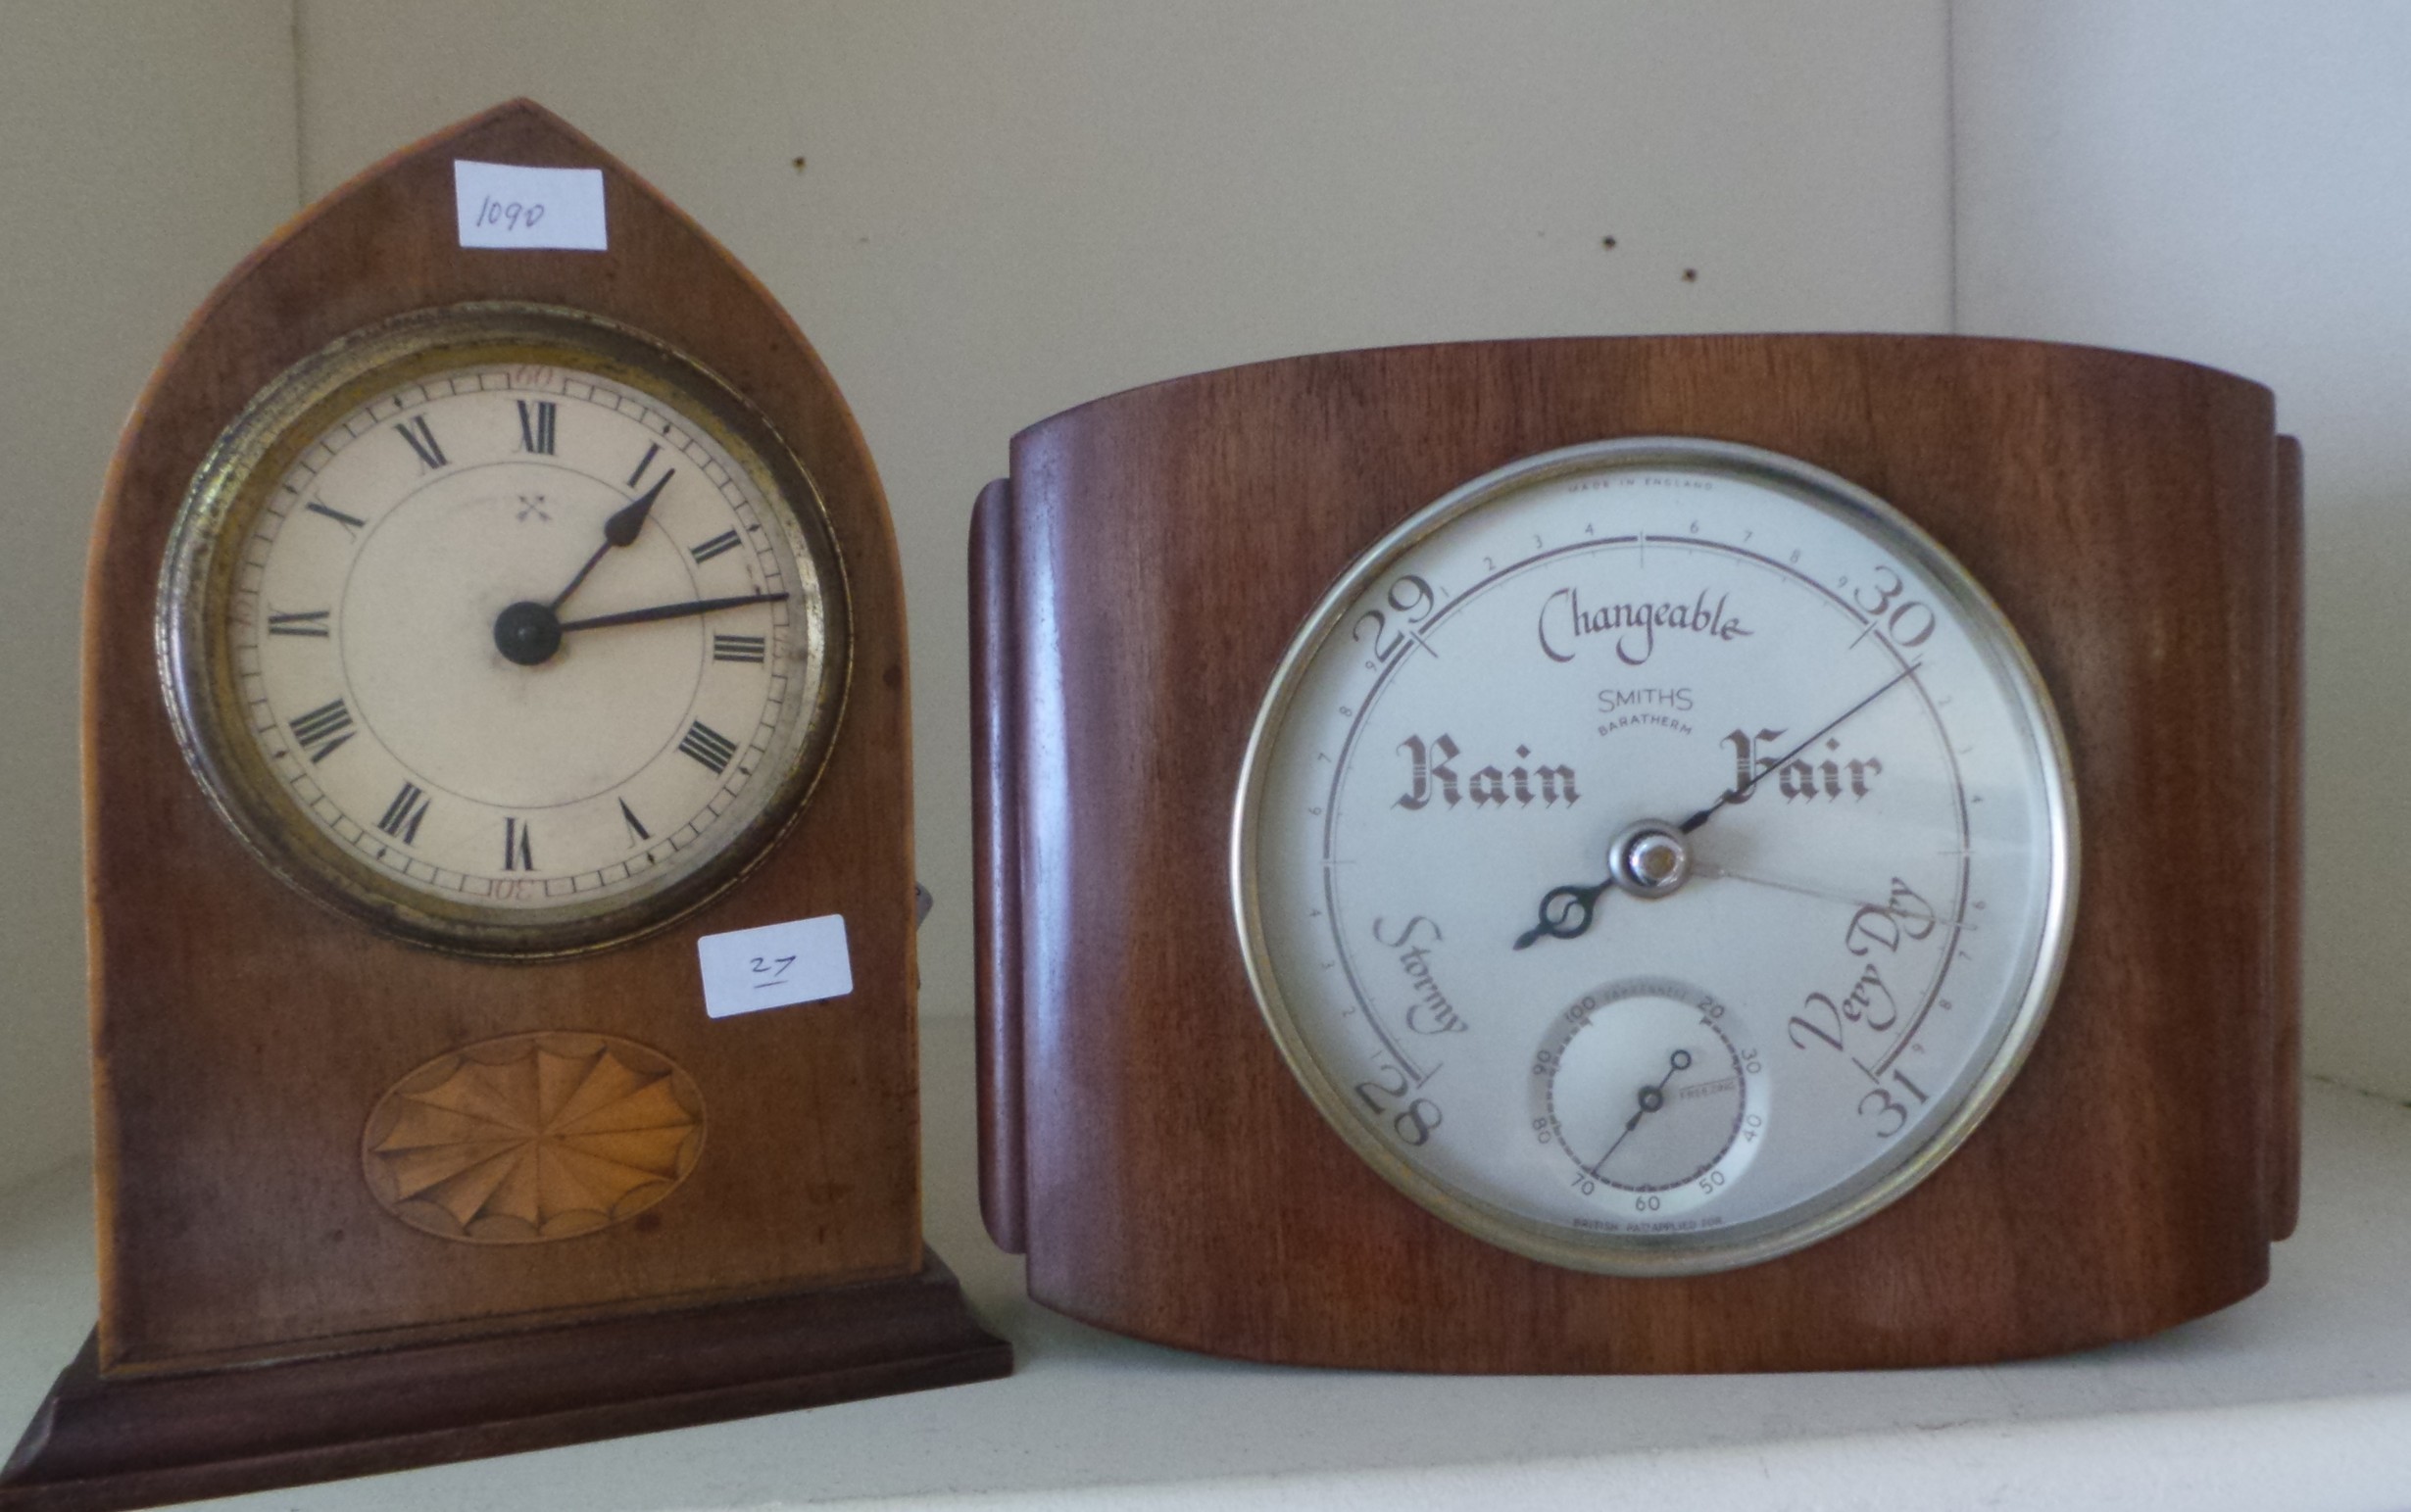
<point x="641" y="617"/>
<point x="622" y="529"/>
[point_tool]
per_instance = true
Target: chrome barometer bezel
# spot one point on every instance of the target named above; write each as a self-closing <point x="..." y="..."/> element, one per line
<point x="1848" y="1203"/>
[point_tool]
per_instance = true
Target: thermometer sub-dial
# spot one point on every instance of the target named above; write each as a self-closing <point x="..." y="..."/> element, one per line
<point x="1642" y="1088"/>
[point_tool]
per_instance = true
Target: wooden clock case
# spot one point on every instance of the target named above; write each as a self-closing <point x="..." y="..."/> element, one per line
<point x="1141" y="573"/>
<point x="263" y="1320"/>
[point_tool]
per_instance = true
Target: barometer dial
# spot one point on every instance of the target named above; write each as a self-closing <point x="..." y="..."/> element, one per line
<point x="1656" y="855"/>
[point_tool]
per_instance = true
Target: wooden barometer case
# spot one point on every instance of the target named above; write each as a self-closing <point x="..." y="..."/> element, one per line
<point x="1644" y="854"/>
<point x="476" y="635"/>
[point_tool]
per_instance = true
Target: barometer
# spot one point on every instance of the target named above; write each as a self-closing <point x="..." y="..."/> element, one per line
<point x="1722" y="763"/>
<point x="1644" y="854"/>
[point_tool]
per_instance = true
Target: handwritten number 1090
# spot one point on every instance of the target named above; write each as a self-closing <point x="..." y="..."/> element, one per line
<point x="511" y="216"/>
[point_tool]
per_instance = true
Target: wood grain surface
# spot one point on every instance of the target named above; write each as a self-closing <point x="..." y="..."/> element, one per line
<point x="2285" y="1084"/>
<point x="1156" y="552"/>
<point x="109" y="1443"/>
<point x="995" y="912"/>
<point x="243" y="1033"/>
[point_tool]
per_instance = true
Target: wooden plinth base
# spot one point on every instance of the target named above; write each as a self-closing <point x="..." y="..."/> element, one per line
<point x="102" y="1442"/>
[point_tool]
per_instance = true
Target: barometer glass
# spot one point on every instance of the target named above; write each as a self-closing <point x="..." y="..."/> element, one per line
<point x="1656" y="855"/>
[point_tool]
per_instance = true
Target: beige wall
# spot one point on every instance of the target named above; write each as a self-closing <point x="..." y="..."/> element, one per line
<point x="2232" y="185"/>
<point x="144" y="147"/>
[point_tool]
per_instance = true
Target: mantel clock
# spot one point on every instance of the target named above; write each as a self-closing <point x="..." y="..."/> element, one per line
<point x="476" y="633"/>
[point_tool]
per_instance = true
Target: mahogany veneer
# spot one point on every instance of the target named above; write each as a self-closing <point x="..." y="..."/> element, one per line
<point x="1143" y="569"/>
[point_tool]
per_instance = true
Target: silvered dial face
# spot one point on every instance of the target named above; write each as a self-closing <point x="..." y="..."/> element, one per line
<point x="514" y="645"/>
<point x="1655" y="857"/>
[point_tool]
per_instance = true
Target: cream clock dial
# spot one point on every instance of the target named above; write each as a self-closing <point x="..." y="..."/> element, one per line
<point x="1655" y="857"/>
<point x="508" y="630"/>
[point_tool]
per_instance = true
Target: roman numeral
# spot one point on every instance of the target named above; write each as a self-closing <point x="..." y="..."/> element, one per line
<point x="536" y="426"/>
<point x="312" y="623"/>
<point x="709" y="745"/>
<point x="725" y="541"/>
<point x="338" y="516"/>
<point x="738" y="648"/>
<point x="422" y="441"/>
<point x="650" y="452"/>
<point x="402" y="815"/>
<point x="519" y="854"/>
<point x="321" y="730"/>
<point x="637" y="833"/>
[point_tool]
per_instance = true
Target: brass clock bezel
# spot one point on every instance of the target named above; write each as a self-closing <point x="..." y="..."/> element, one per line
<point x="246" y="464"/>
<point x="1856" y="1199"/>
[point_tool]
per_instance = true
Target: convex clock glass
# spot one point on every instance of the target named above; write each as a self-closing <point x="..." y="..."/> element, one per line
<point x="1656" y="855"/>
<point x="504" y="627"/>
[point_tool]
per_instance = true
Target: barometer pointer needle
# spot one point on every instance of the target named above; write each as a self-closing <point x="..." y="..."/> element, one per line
<point x="1736" y="793"/>
<point x="1560" y="906"/>
<point x="1571" y="918"/>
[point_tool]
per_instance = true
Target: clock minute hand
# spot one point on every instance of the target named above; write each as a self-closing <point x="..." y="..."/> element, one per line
<point x="641" y="617"/>
<point x="622" y="529"/>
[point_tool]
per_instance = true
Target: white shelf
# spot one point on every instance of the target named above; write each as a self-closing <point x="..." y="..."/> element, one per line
<point x="2299" y="1398"/>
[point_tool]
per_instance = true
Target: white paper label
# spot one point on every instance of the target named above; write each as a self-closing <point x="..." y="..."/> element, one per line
<point x="803" y="961"/>
<point x="502" y="205"/>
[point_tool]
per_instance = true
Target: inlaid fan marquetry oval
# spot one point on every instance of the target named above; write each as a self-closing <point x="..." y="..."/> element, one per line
<point x="533" y="1137"/>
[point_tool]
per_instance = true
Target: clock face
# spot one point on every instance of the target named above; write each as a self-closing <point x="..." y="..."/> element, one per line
<point x="509" y="631"/>
<point x="1655" y="857"/>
